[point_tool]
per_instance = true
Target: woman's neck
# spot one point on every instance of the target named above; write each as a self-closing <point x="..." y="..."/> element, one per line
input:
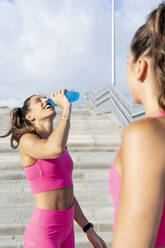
<point x="45" y="129"/>
<point x="151" y="105"/>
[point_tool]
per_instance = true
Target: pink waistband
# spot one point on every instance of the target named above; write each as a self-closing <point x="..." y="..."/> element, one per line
<point x="46" y="216"/>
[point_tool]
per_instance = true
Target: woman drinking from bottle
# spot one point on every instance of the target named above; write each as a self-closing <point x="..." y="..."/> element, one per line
<point x="48" y="168"/>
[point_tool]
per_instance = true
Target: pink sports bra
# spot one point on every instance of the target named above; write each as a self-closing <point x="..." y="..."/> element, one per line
<point x="49" y="174"/>
<point x="114" y="183"/>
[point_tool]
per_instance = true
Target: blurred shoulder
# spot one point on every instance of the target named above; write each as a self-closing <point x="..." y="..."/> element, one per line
<point x="143" y="146"/>
<point x="140" y="131"/>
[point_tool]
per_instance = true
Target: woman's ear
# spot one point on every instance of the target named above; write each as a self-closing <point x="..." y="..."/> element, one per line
<point x="29" y="117"/>
<point x="141" y="69"/>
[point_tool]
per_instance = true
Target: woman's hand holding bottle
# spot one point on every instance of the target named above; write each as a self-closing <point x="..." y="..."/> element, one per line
<point x="60" y="99"/>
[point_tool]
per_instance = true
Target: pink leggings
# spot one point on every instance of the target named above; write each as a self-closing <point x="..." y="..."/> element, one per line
<point x="50" y="229"/>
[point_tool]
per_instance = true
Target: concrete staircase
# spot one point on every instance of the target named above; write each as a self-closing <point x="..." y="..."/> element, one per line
<point x="92" y="144"/>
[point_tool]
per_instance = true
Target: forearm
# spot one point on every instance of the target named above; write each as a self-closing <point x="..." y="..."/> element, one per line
<point x="79" y="217"/>
<point x="59" y="136"/>
<point x="92" y="236"/>
<point x="67" y="133"/>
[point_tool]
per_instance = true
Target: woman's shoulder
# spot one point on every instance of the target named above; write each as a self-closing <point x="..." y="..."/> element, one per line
<point x="28" y="136"/>
<point x="27" y="139"/>
<point x="145" y="135"/>
<point x="144" y="127"/>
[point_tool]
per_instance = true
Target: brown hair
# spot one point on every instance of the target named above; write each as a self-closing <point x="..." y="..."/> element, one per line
<point x="19" y="124"/>
<point x="149" y="40"/>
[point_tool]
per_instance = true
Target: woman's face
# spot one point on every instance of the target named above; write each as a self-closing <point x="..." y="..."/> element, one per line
<point x="40" y="109"/>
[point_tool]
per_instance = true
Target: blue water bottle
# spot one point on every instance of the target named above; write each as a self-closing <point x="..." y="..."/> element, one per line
<point x="72" y="96"/>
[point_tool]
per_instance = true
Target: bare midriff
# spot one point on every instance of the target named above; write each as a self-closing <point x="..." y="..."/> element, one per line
<point x="57" y="199"/>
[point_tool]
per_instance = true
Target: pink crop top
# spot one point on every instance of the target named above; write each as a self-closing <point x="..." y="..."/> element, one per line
<point x="114" y="183"/>
<point x="49" y="174"/>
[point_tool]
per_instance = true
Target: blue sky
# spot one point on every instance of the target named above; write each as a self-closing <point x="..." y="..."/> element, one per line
<point x="54" y="44"/>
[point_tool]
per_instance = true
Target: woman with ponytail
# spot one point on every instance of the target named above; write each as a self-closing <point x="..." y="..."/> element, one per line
<point x="19" y="124"/>
<point x="48" y="168"/>
<point x="137" y="177"/>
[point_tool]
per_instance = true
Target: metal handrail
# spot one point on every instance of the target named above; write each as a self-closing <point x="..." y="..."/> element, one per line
<point x="109" y="99"/>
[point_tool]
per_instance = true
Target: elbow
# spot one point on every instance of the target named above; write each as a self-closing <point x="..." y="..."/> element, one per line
<point x="58" y="151"/>
<point x="55" y="151"/>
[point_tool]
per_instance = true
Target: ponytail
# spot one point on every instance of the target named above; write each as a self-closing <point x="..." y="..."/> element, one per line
<point x="149" y="40"/>
<point x="19" y="125"/>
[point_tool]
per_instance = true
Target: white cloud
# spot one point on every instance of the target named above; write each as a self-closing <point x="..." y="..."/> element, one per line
<point x="54" y="44"/>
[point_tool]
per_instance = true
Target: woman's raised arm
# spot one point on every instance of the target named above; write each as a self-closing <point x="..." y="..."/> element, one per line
<point x="53" y="146"/>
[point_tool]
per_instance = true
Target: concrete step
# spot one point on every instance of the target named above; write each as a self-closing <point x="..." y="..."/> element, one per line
<point x="75" y="146"/>
<point x="92" y="211"/>
<point x="14" y="166"/>
<point x="21" y="213"/>
<point x="15" y="198"/>
<point x="19" y="228"/>
<point x="77" y="173"/>
<point x="82" y="160"/>
<point x="16" y="175"/>
<point x="81" y="241"/>
<point x="22" y="185"/>
<point x="97" y="170"/>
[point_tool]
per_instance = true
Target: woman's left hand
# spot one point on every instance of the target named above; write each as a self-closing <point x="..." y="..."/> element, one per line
<point x="95" y="239"/>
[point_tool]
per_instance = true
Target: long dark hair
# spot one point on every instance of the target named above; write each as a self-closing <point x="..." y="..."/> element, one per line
<point x="149" y="40"/>
<point x="19" y="125"/>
